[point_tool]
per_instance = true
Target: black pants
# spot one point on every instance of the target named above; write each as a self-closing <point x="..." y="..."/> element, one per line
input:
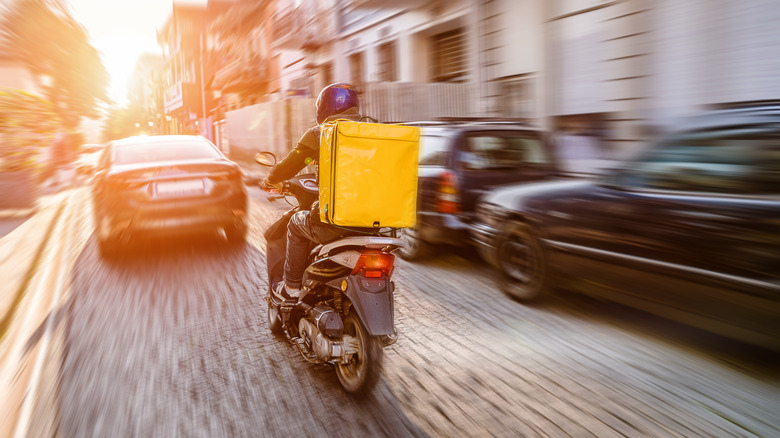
<point x="303" y="229"/>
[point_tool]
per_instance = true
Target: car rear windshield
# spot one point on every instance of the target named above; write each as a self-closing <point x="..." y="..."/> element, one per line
<point x="163" y="150"/>
<point x="488" y="151"/>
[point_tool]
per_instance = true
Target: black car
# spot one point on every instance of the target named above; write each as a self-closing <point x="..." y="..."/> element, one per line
<point x="690" y="231"/>
<point x="461" y="161"/>
<point x="165" y="185"/>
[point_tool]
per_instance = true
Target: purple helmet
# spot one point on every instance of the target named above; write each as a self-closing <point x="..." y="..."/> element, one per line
<point x="335" y="99"/>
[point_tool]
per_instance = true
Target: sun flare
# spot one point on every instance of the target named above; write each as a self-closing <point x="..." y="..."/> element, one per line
<point x="119" y="54"/>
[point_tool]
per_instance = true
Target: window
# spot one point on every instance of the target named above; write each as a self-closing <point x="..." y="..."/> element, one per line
<point x="327" y="73"/>
<point x="449" y="56"/>
<point x="163" y="150"/>
<point x="500" y="152"/>
<point x="532" y="150"/>
<point x="433" y="150"/>
<point x="733" y="162"/>
<point x="516" y="98"/>
<point x="387" y="63"/>
<point x="356" y="67"/>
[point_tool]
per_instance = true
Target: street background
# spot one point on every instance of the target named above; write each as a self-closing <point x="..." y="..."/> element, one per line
<point x="172" y="339"/>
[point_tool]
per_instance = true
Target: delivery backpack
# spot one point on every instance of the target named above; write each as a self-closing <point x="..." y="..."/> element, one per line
<point x="368" y="174"/>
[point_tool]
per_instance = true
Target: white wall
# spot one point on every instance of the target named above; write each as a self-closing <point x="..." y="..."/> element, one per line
<point x="291" y="66"/>
<point x="521" y="37"/>
<point x="580" y="71"/>
<point x="713" y="51"/>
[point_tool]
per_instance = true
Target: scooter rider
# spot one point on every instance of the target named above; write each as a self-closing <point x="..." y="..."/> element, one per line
<point x="336" y="101"/>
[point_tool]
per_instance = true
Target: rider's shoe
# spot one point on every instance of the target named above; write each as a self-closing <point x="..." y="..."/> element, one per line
<point x="286" y="293"/>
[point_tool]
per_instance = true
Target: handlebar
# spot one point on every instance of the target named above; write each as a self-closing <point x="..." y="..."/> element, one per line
<point x="302" y="187"/>
<point x="270" y="188"/>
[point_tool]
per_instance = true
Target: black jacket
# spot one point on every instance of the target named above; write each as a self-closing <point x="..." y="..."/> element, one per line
<point x="307" y="150"/>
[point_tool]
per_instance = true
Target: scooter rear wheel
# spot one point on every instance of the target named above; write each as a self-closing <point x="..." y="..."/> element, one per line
<point x="361" y="374"/>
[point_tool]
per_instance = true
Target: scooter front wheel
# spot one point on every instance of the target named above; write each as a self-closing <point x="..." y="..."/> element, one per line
<point x="359" y="376"/>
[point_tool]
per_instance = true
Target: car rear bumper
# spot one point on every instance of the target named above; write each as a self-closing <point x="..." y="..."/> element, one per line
<point x="180" y="217"/>
<point x="438" y="228"/>
<point x="179" y="223"/>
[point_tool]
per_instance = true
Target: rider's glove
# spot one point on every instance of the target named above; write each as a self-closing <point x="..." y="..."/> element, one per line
<point x="268" y="186"/>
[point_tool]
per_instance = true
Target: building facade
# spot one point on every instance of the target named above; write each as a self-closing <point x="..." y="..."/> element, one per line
<point x="628" y="70"/>
<point x="616" y="71"/>
<point x="186" y="101"/>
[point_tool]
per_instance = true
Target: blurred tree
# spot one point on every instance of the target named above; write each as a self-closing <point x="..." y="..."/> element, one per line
<point x="53" y="45"/>
<point x="27" y="124"/>
<point x="125" y="121"/>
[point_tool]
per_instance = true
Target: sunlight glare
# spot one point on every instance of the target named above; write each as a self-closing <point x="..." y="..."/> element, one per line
<point x="119" y="54"/>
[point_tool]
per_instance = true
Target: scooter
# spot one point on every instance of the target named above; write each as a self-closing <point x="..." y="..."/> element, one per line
<point x="344" y="315"/>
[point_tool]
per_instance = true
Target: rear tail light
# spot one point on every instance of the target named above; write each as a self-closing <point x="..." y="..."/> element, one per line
<point x="374" y="264"/>
<point x="447" y="194"/>
<point x="124" y="183"/>
<point x="226" y="176"/>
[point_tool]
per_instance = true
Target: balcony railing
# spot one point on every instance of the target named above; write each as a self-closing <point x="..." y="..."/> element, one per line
<point x="295" y="28"/>
<point x="245" y="73"/>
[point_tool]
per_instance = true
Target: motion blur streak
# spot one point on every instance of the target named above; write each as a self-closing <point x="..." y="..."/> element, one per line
<point x="650" y="188"/>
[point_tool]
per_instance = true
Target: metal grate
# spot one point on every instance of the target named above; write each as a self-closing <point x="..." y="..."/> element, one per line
<point x="449" y="56"/>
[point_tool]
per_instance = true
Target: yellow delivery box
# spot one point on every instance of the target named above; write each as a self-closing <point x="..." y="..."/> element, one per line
<point x="368" y="174"/>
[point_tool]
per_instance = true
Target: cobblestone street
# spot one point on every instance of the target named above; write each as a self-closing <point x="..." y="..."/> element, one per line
<point x="172" y="340"/>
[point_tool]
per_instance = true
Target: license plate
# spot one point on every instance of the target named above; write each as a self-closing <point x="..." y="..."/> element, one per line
<point x="179" y="188"/>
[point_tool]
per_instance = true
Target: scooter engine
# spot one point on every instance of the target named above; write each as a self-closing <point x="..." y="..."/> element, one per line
<point x="317" y="342"/>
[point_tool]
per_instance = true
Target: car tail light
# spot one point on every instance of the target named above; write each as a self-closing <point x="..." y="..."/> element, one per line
<point x="374" y="264"/>
<point x="226" y="176"/>
<point x="447" y="194"/>
<point x="121" y="183"/>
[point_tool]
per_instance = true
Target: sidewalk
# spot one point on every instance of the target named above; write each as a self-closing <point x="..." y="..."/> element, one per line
<point x="35" y="261"/>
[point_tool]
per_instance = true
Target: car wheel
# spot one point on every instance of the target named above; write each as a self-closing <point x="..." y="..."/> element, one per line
<point x="522" y="263"/>
<point x="415" y="248"/>
<point x="236" y="233"/>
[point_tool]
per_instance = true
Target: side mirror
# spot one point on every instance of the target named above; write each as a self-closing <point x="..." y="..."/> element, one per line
<point x="266" y="159"/>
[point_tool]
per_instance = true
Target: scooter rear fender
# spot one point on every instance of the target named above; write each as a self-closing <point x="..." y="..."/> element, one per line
<point x="372" y="299"/>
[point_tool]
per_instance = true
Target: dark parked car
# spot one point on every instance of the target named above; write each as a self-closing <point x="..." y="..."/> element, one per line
<point x="166" y="184"/>
<point x="690" y="231"/>
<point x="461" y="161"/>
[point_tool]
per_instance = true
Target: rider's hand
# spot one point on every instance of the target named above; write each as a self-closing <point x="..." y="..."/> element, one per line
<point x="268" y="186"/>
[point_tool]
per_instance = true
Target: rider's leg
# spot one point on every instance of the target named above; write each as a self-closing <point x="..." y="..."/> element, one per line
<point x="298" y="237"/>
<point x="301" y="231"/>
